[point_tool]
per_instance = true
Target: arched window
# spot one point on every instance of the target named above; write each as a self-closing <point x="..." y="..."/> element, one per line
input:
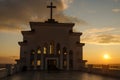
<point x="71" y="54"/>
<point x="52" y="47"/>
<point x="45" y="48"/>
<point x="38" y="62"/>
<point x="39" y="50"/>
<point x="58" y="48"/>
<point x="65" y="63"/>
<point x="65" y="51"/>
<point x="33" y="63"/>
<point x="33" y="51"/>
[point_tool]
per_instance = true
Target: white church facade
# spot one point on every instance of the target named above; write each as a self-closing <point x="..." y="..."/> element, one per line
<point x="51" y="45"/>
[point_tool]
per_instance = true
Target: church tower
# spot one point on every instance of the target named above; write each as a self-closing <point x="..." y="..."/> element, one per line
<point x="51" y="45"/>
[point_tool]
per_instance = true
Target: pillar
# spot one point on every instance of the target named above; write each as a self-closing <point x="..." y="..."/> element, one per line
<point x="42" y="60"/>
<point x="28" y="63"/>
<point x="67" y="61"/>
<point x="35" y="61"/>
<point x="61" y="60"/>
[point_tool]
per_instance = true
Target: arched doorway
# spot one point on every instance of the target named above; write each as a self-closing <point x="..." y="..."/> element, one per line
<point x="51" y="63"/>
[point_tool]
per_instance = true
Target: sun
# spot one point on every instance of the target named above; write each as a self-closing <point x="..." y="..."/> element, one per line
<point x="106" y="56"/>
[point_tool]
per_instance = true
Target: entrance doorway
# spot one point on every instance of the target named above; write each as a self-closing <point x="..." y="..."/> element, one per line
<point x="52" y="64"/>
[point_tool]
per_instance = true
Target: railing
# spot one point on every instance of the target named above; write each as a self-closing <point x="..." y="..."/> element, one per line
<point x="7" y="70"/>
<point x="109" y="70"/>
<point x="2" y="69"/>
<point x="3" y="72"/>
<point x="101" y="66"/>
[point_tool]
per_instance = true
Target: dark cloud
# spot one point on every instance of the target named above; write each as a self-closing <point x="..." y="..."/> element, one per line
<point x="15" y="13"/>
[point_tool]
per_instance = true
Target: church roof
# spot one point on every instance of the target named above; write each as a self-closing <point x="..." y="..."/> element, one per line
<point x="42" y="24"/>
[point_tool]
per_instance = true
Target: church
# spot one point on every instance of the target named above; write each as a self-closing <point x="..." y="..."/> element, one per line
<point x="51" y="45"/>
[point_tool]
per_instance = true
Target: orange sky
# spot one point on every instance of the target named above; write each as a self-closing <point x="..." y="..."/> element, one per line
<point x="98" y="20"/>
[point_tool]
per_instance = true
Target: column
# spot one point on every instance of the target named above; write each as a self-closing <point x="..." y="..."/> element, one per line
<point x="67" y="56"/>
<point x="42" y="60"/>
<point x="61" y="60"/>
<point x="35" y="61"/>
<point x="45" y="67"/>
<point x="28" y="63"/>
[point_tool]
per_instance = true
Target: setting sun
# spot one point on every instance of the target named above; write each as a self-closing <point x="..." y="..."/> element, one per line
<point x="106" y="56"/>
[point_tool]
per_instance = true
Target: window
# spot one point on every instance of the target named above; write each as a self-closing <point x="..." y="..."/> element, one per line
<point x="65" y="51"/>
<point x="38" y="62"/>
<point x="33" y="63"/>
<point x="52" y="47"/>
<point x="44" y="50"/>
<point x="58" y="48"/>
<point x="33" y="52"/>
<point x="39" y="51"/>
<point x="58" y="51"/>
<point x="65" y="63"/>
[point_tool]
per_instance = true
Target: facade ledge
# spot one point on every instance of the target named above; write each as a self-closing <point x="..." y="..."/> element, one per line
<point x="43" y="24"/>
<point x="22" y="43"/>
<point x="80" y="44"/>
<point x="75" y="33"/>
<point x="28" y="32"/>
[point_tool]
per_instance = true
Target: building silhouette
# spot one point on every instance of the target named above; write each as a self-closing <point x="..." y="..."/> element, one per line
<point x="51" y="45"/>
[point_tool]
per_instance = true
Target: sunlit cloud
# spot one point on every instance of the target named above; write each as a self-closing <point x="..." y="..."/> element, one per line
<point x="116" y="10"/>
<point x="107" y="38"/>
<point x="101" y="36"/>
<point x="12" y="28"/>
<point x="64" y="18"/>
<point x="96" y="30"/>
<point x="66" y="3"/>
<point x="8" y="59"/>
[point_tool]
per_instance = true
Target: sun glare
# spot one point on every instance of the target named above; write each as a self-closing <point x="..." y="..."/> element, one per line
<point x="106" y="56"/>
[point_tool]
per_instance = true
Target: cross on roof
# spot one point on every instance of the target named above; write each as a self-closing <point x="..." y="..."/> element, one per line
<point x="51" y="10"/>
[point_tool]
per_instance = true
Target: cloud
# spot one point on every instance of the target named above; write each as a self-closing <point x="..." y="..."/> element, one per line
<point x="116" y="10"/>
<point x="64" y="18"/>
<point x="96" y="30"/>
<point x="115" y="0"/>
<point x="17" y="12"/>
<point x="106" y="38"/>
<point x="101" y="36"/>
<point x="15" y="15"/>
<point x="92" y="11"/>
<point x="8" y="59"/>
<point x="66" y="3"/>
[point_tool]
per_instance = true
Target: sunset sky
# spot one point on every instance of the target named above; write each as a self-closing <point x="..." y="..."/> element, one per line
<point x="98" y="20"/>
